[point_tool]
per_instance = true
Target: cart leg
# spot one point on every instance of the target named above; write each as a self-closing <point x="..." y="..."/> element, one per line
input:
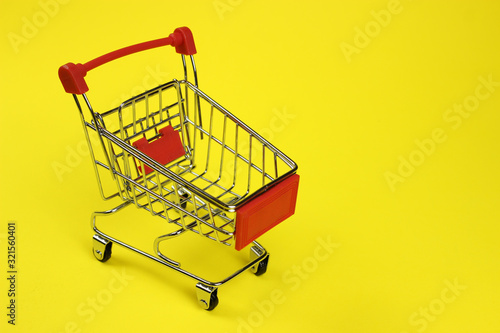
<point x="260" y="267"/>
<point x="207" y="296"/>
<point x="102" y="245"/>
<point x="158" y="240"/>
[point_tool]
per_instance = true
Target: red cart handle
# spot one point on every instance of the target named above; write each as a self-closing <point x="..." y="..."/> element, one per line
<point x="72" y="75"/>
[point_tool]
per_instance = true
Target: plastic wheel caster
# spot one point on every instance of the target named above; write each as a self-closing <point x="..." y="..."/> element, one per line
<point x="207" y="296"/>
<point x="214" y="301"/>
<point x="261" y="267"/>
<point x="101" y="248"/>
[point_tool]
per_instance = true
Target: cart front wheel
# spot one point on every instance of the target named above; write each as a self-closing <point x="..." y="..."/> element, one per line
<point x="101" y="248"/>
<point x="207" y="296"/>
<point x="261" y="267"/>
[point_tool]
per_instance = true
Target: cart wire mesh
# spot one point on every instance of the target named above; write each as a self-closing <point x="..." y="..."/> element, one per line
<point x="225" y="163"/>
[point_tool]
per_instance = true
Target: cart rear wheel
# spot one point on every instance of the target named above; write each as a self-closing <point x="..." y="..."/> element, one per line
<point x="214" y="301"/>
<point x="102" y="248"/>
<point x="261" y="266"/>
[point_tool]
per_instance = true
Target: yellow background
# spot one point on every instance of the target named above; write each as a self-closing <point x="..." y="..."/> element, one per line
<point x="418" y="253"/>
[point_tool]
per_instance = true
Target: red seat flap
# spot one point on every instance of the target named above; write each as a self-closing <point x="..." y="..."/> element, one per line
<point x="163" y="150"/>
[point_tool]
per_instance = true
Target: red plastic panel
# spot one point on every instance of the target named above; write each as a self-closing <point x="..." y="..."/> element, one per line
<point x="266" y="211"/>
<point x="163" y="150"/>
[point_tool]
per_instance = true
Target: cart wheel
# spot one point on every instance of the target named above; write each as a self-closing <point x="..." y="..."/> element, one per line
<point x="214" y="301"/>
<point x="207" y="296"/>
<point x="102" y="248"/>
<point x="261" y="267"/>
<point x="255" y="253"/>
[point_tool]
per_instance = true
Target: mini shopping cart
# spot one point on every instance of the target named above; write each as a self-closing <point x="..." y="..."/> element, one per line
<point x="178" y="154"/>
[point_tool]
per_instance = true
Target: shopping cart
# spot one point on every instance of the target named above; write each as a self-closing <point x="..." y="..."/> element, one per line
<point x="178" y="154"/>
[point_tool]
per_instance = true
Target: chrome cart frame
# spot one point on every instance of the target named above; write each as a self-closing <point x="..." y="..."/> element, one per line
<point x="176" y="153"/>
